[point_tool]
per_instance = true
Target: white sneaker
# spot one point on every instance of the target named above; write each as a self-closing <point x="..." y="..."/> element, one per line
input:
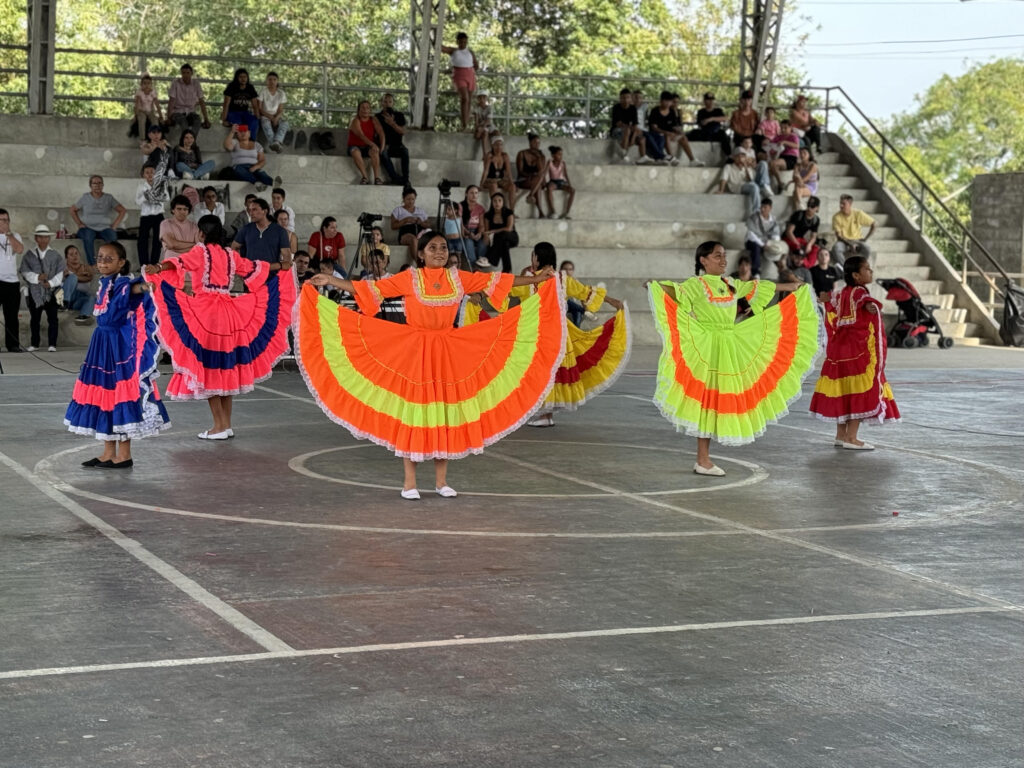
<point x="446" y="491"/>
<point x="714" y="471"/>
<point x="696" y="163"/>
<point x="412" y="494"/>
<point x="644" y="160"/>
<point x="672" y="160"/>
<point x="31" y="349"/>
<point x="482" y="263"/>
<point x="51" y="349"/>
<point x="187" y="175"/>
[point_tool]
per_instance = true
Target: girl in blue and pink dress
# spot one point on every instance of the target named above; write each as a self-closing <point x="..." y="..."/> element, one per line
<point x="115" y="398"/>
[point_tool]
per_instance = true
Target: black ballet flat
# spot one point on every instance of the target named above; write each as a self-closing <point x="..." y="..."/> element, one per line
<point x="126" y="464"/>
<point x="92" y="463"/>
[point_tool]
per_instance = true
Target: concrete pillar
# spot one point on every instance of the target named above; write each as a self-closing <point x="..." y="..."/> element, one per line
<point x="997" y="218"/>
<point x="42" y="17"/>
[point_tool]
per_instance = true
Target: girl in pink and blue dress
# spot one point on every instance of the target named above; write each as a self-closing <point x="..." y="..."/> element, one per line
<point x="115" y="398"/>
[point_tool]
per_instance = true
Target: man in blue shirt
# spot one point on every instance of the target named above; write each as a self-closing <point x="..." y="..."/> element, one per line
<point x="262" y="239"/>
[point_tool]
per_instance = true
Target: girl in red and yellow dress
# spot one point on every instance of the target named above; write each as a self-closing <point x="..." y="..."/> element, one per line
<point x="593" y="359"/>
<point x="428" y="390"/>
<point x="852" y="386"/>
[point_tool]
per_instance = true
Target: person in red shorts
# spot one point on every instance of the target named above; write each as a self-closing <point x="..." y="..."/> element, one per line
<point x="464" y="67"/>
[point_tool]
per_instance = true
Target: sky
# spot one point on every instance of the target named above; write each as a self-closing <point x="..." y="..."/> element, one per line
<point x="883" y="78"/>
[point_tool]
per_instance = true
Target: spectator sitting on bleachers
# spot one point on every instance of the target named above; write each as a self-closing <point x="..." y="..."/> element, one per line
<point x="661" y="124"/>
<point x="484" y="129"/>
<point x="766" y="132"/>
<point x="626" y="131"/>
<point x="209" y="205"/>
<point x="366" y="140"/>
<point x="393" y="123"/>
<point x="824" y="274"/>
<point x="558" y="179"/>
<point x="302" y="271"/>
<point x="247" y="158"/>
<point x="801" y="234"/>
<point x="679" y="136"/>
<point x="848" y="226"/>
<point x="271" y="106"/>
<point x="786" y="150"/>
<point x="805" y="125"/>
<point x="277" y="203"/>
<point x="711" y="122"/>
<point x="179" y="233"/>
<point x="97" y="214"/>
<point x="377" y="244"/>
<point x="498" y="171"/>
<point x="327" y="244"/>
<point x="241" y="103"/>
<point x="531" y="166"/>
<point x="145" y="108"/>
<point x="805" y="178"/>
<point x="464" y="67"/>
<point x="408" y="219"/>
<point x="282" y="218"/>
<point x="242" y="217"/>
<point x="500" y="226"/>
<point x="151" y="199"/>
<point x="79" y="288"/>
<point x="763" y="234"/>
<point x="155" y="148"/>
<point x="472" y="214"/>
<point x="187" y="159"/>
<point x="184" y="95"/>
<point x="375" y="266"/>
<point x="744" y="120"/>
<point x="741" y="177"/>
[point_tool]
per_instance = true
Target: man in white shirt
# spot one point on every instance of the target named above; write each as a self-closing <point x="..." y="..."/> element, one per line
<point x="272" y="101"/>
<point x="10" y="286"/>
<point x="43" y="270"/>
<point x="209" y="206"/>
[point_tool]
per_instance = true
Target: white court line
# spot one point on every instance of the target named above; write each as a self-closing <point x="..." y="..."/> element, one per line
<point x="232" y="616"/>
<point x="454" y="642"/>
<point x="866" y="562"/>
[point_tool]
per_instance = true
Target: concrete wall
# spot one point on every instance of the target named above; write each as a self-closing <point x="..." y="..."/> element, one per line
<point x="997" y="218"/>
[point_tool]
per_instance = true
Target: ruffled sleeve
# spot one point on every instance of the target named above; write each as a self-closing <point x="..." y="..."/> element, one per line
<point x="684" y="293"/>
<point x="371" y="293"/>
<point x="758" y="293"/>
<point x="253" y="273"/>
<point x="591" y="297"/>
<point x="495" y="285"/>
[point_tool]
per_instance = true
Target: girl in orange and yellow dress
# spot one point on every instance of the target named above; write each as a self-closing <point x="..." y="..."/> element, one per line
<point x="852" y="387"/>
<point x="428" y="390"/>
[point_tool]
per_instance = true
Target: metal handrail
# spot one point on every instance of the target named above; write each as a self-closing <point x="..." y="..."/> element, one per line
<point x="921" y="198"/>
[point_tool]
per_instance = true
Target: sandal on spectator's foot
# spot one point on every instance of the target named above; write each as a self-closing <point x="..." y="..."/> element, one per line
<point x="711" y="471"/>
<point x="446" y="491"/>
<point x="378" y="182"/>
<point x="412" y="494"/>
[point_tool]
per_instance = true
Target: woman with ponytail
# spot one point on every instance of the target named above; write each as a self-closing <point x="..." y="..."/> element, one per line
<point x="723" y="380"/>
<point x="221" y="345"/>
<point x="115" y="398"/>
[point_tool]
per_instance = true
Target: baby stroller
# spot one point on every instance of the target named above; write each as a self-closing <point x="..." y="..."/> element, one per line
<point x="914" y="319"/>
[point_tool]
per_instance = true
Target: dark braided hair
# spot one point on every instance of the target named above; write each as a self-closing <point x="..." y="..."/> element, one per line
<point x="851" y="267"/>
<point x="122" y="256"/>
<point x="704" y="250"/>
<point x="546" y="256"/>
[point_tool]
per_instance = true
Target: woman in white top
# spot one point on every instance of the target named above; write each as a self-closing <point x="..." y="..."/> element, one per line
<point x="408" y="219"/>
<point x="247" y="158"/>
<point x="151" y="198"/>
<point x="272" y="101"/>
<point x="464" y="67"/>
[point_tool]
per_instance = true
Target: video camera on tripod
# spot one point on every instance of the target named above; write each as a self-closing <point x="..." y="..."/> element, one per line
<point x="446" y="185"/>
<point x="366" y="220"/>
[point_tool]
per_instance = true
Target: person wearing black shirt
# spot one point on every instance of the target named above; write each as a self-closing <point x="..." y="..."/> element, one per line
<point x="664" y="126"/>
<point x="711" y="122"/>
<point x="824" y="274"/>
<point x="241" y="103"/>
<point x="625" y="129"/>
<point x="393" y="123"/>
<point x="801" y="235"/>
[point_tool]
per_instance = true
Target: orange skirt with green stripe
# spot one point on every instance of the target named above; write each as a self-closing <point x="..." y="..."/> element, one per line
<point x="430" y="394"/>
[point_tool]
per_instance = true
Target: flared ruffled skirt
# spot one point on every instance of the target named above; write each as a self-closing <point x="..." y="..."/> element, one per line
<point x="426" y="393"/>
<point x="593" y="361"/>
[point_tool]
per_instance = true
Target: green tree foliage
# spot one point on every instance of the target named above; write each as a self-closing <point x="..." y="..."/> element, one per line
<point x="962" y="126"/>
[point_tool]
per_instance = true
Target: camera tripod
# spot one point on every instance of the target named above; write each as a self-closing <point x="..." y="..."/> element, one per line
<point x="443" y="203"/>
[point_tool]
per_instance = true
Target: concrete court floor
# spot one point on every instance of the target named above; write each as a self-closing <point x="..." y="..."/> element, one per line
<point x="270" y="601"/>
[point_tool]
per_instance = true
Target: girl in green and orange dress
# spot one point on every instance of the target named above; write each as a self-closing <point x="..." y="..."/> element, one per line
<point x="723" y="380"/>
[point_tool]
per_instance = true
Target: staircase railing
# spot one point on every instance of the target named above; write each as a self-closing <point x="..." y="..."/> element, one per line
<point x="931" y="213"/>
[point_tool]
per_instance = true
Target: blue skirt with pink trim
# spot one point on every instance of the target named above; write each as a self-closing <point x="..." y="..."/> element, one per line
<point x="116" y="397"/>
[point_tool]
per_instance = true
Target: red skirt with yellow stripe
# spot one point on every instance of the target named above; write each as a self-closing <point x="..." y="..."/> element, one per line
<point x="852" y="384"/>
<point x="593" y="361"/>
<point x="429" y="393"/>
